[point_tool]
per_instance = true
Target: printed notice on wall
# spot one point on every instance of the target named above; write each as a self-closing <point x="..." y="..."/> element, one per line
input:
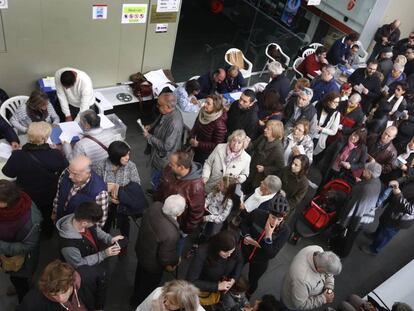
<point x="99" y="11"/>
<point x="134" y="13"/>
<point x="168" y="5"/>
<point x="161" y="28"/>
<point x="314" y="2"/>
<point x="4" y="4"/>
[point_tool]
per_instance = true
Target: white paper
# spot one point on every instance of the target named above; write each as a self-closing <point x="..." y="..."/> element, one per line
<point x="314" y="2"/>
<point x="66" y="137"/>
<point x="318" y="72"/>
<point x="71" y="128"/>
<point x="168" y="5"/>
<point x="49" y="82"/>
<point x="236" y="95"/>
<point x="99" y="11"/>
<point x="161" y="28"/>
<point x="134" y="13"/>
<point x="4" y="4"/>
<point x="159" y="80"/>
<point x="105" y="122"/>
<point x="103" y="103"/>
<point x="5" y="150"/>
<point x="385" y="89"/>
<point x="301" y="149"/>
<point x="402" y="160"/>
<point x="140" y="124"/>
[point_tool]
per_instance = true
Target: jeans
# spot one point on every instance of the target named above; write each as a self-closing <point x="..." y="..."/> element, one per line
<point x="383" y="196"/>
<point x="383" y="235"/>
<point x="256" y="270"/>
<point x="155" y="178"/>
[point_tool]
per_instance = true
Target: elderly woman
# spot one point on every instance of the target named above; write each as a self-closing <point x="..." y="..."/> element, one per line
<point x="209" y="129"/>
<point x="174" y="295"/>
<point x="267" y="157"/>
<point x="279" y="82"/>
<point x="186" y="96"/>
<point x="37" y="109"/>
<point x="216" y="266"/>
<point x="227" y="160"/>
<point x="328" y="120"/>
<point x="298" y="142"/>
<point x="19" y="236"/>
<point x="37" y="168"/>
<point x="122" y="178"/>
<point x="294" y="180"/>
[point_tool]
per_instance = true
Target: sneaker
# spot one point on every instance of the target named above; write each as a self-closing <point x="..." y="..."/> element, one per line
<point x="367" y="250"/>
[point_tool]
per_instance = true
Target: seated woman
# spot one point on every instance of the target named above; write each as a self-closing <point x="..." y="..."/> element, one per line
<point x="227" y="160"/>
<point x="186" y="96"/>
<point x="328" y="120"/>
<point x="234" y="80"/>
<point x="294" y="180"/>
<point x="209" y="129"/>
<point x="19" y="235"/>
<point x="267" y="155"/>
<point x="37" y="108"/>
<point x="298" y="142"/>
<point x="345" y="158"/>
<point x="126" y="195"/>
<point x="37" y="168"/>
<point x="216" y="265"/>
<point x="174" y="295"/>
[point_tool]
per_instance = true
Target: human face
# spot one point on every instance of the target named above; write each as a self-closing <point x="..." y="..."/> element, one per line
<point x="352" y="102"/>
<point x="125" y="159"/>
<point x="321" y="57"/>
<point x="236" y="144"/>
<point x="354" y="138"/>
<point x="177" y="170"/>
<point x="245" y="102"/>
<point x="333" y="104"/>
<point x="219" y="77"/>
<point x="303" y="101"/>
<point x="78" y="176"/>
<point x="299" y="131"/>
<point x="63" y="297"/>
<point x="170" y="303"/>
<point x="43" y="107"/>
<point x="209" y="106"/>
<point x="296" y="166"/>
<point x="354" y="51"/>
<point x="326" y="75"/>
<point x="263" y="187"/>
<point x="162" y="104"/>
<point x="274" y="221"/>
<point x="410" y="145"/>
<point x="268" y="132"/>
<point x="226" y="254"/>
<point x="409" y="54"/>
<point x="371" y="69"/>
<point x="387" y="136"/>
<point x="399" y="91"/>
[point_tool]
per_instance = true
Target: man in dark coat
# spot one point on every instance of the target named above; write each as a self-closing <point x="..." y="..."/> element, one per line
<point x="234" y="80"/>
<point x="386" y="35"/>
<point x="210" y="81"/>
<point x="340" y="50"/>
<point x="382" y="150"/>
<point x="279" y="83"/>
<point x="156" y="246"/>
<point x="352" y="115"/>
<point x="9" y="134"/>
<point x="403" y="45"/>
<point x="366" y="82"/>
<point x="243" y="115"/>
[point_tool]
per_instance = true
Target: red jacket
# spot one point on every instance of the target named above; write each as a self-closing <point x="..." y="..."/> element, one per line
<point x="191" y="187"/>
<point x="309" y="66"/>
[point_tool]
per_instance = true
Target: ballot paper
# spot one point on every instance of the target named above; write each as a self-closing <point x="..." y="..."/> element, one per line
<point x="235" y="95"/>
<point x="359" y="88"/>
<point x="301" y="149"/>
<point x="140" y="124"/>
<point x="159" y="80"/>
<point x="385" y="88"/>
<point x="66" y="137"/>
<point x="102" y="102"/>
<point x="71" y="127"/>
<point x="5" y="150"/>
<point x="402" y="160"/>
<point x="105" y="122"/>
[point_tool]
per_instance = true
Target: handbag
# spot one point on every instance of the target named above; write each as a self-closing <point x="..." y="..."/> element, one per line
<point x="11" y="264"/>
<point x="141" y="87"/>
<point x="209" y="298"/>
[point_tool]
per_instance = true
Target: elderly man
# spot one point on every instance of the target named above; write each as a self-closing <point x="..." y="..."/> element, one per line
<point x="340" y="50"/>
<point x="309" y="282"/>
<point x="164" y="136"/>
<point x="74" y="90"/>
<point x="210" y="81"/>
<point x="183" y="176"/>
<point x="325" y="83"/>
<point x="94" y="142"/>
<point x="234" y="80"/>
<point x="312" y="63"/>
<point x="366" y="82"/>
<point x="301" y="109"/>
<point x="386" y="35"/>
<point x="279" y="82"/>
<point x="382" y="150"/>
<point x="243" y="115"/>
<point x="352" y="115"/>
<point x="156" y="245"/>
<point x="79" y="184"/>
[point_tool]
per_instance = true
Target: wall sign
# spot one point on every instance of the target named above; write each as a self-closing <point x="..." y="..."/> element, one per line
<point x="134" y="13"/>
<point x="168" y="5"/>
<point x="161" y="28"/>
<point x="162" y="17"/>
<point x="4" y="4"/>
<point x="99" y="11"/>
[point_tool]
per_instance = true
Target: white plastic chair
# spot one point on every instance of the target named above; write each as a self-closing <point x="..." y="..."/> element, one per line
<point x="295" y="66"/>
<point x="308" y="52"/>
<point x="363" y="54"/>
<point x="271" y="59"/>
<point x="315" y="45"/>
<point x="247" y="73"/>
<point x="193" y="78"/>
<point x="12" y="104"/>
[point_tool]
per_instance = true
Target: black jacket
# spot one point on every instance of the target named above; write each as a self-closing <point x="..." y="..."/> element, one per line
<point x="207" y="85"/>
<point x="243" y="119"/>
<point x="372" y="83"/>
<point x="281" y="84"/>
<point x="385" y="31"/>
<point x="7" y="131"/>
<point x="356" y="116"/>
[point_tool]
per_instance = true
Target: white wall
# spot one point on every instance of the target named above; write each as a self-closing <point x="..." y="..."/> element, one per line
<point x="402" y="10"/>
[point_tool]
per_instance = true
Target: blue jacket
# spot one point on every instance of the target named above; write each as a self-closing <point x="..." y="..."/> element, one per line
<point x="338" y="52"/>
<point x="321" y="87"/>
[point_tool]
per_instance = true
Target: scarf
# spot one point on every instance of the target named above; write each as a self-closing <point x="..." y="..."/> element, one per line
<point x="343" y="156"/>
<point x="329" y="112"/>
<point x="205" y="118"/>
<point x="36" y="115"/>
<point x="256" y="199"/>
<point x="396" y="104"/>
<point x="12" y="219"/>
<point x="231" y="156"/>
<point x="407" y="153"/>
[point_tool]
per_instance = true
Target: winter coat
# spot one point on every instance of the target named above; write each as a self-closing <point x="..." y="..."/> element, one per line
<point x="231" y="85"/>
<point x="386" y="155"/>
<point x="303" y="286"/>
<point x="207" y="85"/>
<point x="280" y="84"/>
<point x="7" y="131"/>
<point x="216" y="168"/>
<point x="352" y="120"/>
<point x="156" y="245"/>
<point x="306" y="142"/>
<point x="243" y="119"/>
<point x="385" y="31"/>
<point x="372" y="83"/>
<point x="166" y="138"/>
<point x="295" y="187"/>
<point x="338" y="52"/>
<point x="191" y="187"/>
<point x="308" y="113"/>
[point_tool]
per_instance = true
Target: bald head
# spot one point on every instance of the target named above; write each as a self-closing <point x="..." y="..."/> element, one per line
<point x="219" y="75"/>
<point x="80" y="169"/>
<point x="389" y="134"/>
<point x="396" y="24"/>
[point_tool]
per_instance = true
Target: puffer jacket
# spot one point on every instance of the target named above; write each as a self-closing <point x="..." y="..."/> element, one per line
<point x="191" y="187"/>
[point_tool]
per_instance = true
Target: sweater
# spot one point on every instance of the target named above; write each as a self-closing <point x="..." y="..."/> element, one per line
<point x="21" y="120"/>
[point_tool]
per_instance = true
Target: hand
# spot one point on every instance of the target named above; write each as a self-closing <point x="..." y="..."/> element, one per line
<point x="147" y="127"/>
<point x="242" y="206"/>
<point x="193" y="142"/>
<point x="324" y="61"/>
<point x="357" y="179"/>
<point x="194" y="101"/>
<point x="250" y="241"/>
<point x="112" y="251"/>
<point x="269" y="229"/>
<point x="340" y="127"/>
<point x="117" y="238"/>
<point x="319" y="128"/>
<point x="261" y="123"/>
<point x="146" y="133"/>
<point x="295" y="150"/>
<point x="365" y="91"/>
<point x="170" y="268"/>
<point x="205" y="180"/>
<point x="346" y="165"/>
<point x="68" y="118"/>
<point x="114" y="201"/>
<point x="404" y="167"/>
<point x="113" y="190"/>
<point x="260" y="168"/>
<point x="224" y="286"/>
<point x="15" y="145"/>
<point x="329" y="296"/>
<point x="370" y="159"/>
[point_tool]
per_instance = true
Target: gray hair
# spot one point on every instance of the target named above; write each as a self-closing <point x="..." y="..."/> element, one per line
<point x="239" y="134"/>
<point x="374" y="168"/>
<point x="185" y="293"/>
<point x="331" y="69"/>
<point x="273" y="183"/>
<point x="357" y="98"/>
<point x="399" y="67"/>
<point x="174" y="205"/>
<point x="170" y="100"/>
<point x="275" y="68"/>
<point x="401" y="306"/>
<point x="328" y="262"/>
<point x="306" y="91"/>
<point x="91" y="118"/>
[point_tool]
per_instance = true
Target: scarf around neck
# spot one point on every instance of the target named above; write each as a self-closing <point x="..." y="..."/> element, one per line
<point x="205" y="118"/>
<point x="231" y="156"/>
<point x="12" y="219"/>
<point x="256" y="199"/>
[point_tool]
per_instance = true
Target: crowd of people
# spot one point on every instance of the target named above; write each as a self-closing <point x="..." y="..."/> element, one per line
<point x="228" y="190"/>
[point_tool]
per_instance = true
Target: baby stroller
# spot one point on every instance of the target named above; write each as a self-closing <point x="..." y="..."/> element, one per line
<point x="322" y="211"/>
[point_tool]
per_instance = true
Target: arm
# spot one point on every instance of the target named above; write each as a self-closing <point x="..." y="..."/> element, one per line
<point x="194" y="272"/>
<point x="9" y="169"/>
<point x="361" y="161"/>
<point x="208" y="164"/>
<point x="337" y="53"/>
<point x="167" y="252"/>
<point x="73" y="256"/>
<point x="278" y="162"/>
<point x="245" y="171"/>
<point x="106" y="238"/>
<point x="87" y="95"/>
<point x="279" y="239"/>
<point x="388" y="164"/>
<point x="313" y="126"/>
<point x="8" y="132"/>
<point x="302" y="300"/>
<point x="60" y="92"/>
<point x="241" y="81"/>
<point x="21" y="248"/>
<point x="16" y="123"/>
<point x="329" y="281"/>
<point x="219" y="136"/>
<point x="195" y="209"/>
<point x="134" y="175"/>
<point x="53" y="115"/>
<point x="298" y="195"/>
<point x="102" y="201"/>
<point x="223" y="216"/>
<point x="173" y="135"/>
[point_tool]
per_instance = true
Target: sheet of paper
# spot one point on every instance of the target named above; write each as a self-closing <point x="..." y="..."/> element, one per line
<point x="134" y="13"/>
<point x="301" y="149"/>
<point x="4" y="4"/>
<point x="5" y="150"/>
<point x="49" y="82"/>
<point x="318" y="72"/>
<point x="105" y="122"/>
<point x="385" y="88"/>
<point x="103" y="103"/>
<point x="71" y="127"/>
<point x="235" y="95"/>
<point x="168" y="5"/>
<point x="158" y="79"/>
<point x="66" y="137"/>
<point x="402" y="160"/>
<point x="314" y="2"/>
